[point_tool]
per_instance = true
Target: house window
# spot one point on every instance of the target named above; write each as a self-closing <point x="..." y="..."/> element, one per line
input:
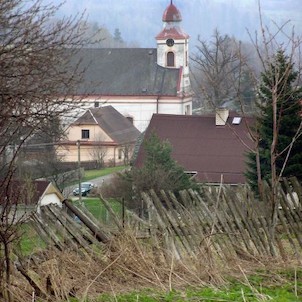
<point x="120" y="153"/>
<point x="85" y="134"/>
<point x="170" y="59"/>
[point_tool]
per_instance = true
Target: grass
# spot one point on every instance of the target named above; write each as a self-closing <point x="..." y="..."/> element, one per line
<point x="236" y="291"/>
<point x="284" y="285"/>
<point x="91" y="174"/>
<point x="30" y="241"/>
<point x="98" y="210"/>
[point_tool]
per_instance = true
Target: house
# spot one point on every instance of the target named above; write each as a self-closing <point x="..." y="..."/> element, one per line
<point x="140" y="81"/>
<point x="101" y="135"/>
<point x="46" y="193"/>
<point x="28" y="196"/>
<point x="210" y="147"/>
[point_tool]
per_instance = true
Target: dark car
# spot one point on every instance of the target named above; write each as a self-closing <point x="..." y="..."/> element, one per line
<point x="85" y="189"/>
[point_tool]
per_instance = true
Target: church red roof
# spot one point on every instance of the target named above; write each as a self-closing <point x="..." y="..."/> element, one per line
<point x="171" y="14"/>
<point x="171" y="29"/>
<point x="173" y="32"/>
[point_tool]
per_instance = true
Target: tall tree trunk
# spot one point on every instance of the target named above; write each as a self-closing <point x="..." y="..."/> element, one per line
<point x="7" y="271"/>
<point x="259" y="177"/>
<point x="274" y="179"/>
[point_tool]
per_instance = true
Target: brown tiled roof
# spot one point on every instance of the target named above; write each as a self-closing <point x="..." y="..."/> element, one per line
<point x="118" y="127"/>
<point x="23" y="192"/>
<point x="199" y="145"/>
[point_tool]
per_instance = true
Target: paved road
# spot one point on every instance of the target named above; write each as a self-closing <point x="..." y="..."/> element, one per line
<point x="96" y="181"/>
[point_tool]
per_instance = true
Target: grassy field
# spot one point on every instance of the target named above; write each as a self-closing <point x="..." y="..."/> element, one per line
<point x="238" y="293"/>
<point x="290" y="291"/>
<point x="30" y="241"/>
<point x="97" y="209"/>
<point x="281" y="286"/>
<point x="91" y="174"/>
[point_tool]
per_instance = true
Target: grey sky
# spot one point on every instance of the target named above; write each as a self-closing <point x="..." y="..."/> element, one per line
<point x="140" y="20"/>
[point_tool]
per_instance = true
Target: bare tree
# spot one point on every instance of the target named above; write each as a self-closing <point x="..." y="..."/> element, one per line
<point x="127" y="150"/>
<point x="217" y="66"/>
<point x="281" y="95"/>
<point x="36" y="84"/>
<point x="228" y="82"/>
<point x="99" y="151"/>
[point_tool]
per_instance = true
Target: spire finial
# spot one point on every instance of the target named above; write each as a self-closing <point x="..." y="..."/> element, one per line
<point x="171" y="2"/>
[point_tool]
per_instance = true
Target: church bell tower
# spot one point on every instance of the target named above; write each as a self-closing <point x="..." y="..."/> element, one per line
<point x="173" y="46"/>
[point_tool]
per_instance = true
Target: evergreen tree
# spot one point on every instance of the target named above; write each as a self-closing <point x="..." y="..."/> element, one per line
<point x="279" y="78"/>
<point x="159" y="162"/>
<point x="159" y="172"/>
<point x="117" y="36"/>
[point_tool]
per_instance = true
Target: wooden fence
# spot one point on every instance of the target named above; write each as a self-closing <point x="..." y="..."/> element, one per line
<point x="226" y="221"/>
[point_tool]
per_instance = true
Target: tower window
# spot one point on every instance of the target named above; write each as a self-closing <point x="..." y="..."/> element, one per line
<point x="186" y="58"/>
<point x="170" y="59"/>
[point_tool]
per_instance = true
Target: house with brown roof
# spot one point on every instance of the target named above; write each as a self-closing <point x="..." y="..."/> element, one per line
<point x="101" y="135"/>
<point x="211" y="147"/>
<point x="27" y="196"/>
<point x="139" y="81"/>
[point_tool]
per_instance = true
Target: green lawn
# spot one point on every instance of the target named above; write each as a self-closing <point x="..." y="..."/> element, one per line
<point x="98" y="210"/>
<point x="91" y="174"/>
<point x="29" y="241"/>
<point x="233" y="292"/>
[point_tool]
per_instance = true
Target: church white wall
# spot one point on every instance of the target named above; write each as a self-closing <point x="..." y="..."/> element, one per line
<point x="140" y="109"/>
<point x="142" y="112"/>
<point x="180" y="49"/>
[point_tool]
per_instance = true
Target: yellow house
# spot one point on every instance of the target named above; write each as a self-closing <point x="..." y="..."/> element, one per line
<point x="101" y="135"/>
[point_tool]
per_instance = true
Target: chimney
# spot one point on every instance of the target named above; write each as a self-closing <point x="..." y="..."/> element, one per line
<point x="222" y="115"/>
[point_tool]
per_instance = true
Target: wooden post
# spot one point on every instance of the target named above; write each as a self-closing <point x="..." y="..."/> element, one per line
<point x="101" y="236"/>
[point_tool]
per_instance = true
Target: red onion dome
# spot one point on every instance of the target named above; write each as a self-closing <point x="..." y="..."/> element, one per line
<point x="172" y="14"/>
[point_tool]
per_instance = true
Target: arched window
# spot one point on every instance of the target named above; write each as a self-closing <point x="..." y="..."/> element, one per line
<point x="170" y="58"/>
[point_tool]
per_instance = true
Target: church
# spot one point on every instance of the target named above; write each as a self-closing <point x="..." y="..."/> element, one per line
<point x="139" y="82"/>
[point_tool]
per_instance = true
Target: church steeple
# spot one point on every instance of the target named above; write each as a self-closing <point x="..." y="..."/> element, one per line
<point x="173" y="44"/>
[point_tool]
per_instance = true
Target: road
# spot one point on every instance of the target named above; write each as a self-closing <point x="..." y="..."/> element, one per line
<point x="96" y="181"/>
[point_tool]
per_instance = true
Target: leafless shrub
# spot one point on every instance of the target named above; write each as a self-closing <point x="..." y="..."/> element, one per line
<point x="36" y="84"/>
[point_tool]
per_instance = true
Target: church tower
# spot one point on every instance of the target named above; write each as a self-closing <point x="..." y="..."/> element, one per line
<point x="173" y="46"/>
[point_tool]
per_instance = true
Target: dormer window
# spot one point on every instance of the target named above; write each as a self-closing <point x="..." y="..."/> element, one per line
<point x="170" y="59"/>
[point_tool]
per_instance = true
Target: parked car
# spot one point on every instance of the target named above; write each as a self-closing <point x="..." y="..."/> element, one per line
<point x="85" y="189"/>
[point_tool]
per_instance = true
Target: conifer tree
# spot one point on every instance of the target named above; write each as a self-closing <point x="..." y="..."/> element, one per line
<point x="278" y="79"/>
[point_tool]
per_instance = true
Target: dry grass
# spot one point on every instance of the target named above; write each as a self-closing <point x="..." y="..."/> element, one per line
<point x="124" y="265"/>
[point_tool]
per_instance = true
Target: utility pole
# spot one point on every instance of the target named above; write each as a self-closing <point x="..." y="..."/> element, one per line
<point x="79" y="171"/>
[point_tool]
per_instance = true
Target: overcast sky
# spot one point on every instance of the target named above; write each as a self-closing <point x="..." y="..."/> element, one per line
<point x="140" y="20"/>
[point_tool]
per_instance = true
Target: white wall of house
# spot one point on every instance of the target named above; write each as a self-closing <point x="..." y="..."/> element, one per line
<point x="51" y="198"/>
<point x="74" y="133"/>
<point x="111" y="154"/>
